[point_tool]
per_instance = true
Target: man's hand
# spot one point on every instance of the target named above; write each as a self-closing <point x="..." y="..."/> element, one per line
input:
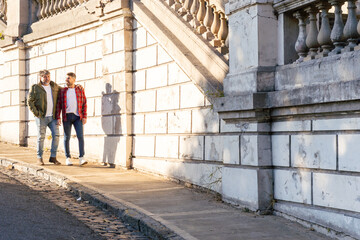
<point x="84" y="121"/>
<point x="59" y="122"/>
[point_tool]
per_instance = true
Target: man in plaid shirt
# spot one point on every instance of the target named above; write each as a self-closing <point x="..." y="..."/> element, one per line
<point x="72" y="104"/>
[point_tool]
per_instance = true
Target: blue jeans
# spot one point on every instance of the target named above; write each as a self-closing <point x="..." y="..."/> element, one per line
<point x="72" y="119"/>
<point x="41" y="124"/>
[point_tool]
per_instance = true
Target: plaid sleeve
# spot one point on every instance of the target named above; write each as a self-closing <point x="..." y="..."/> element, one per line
<point x="84" y="107"/>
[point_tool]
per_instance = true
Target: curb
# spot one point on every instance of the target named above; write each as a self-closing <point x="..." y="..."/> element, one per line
<point x="141" y="222"/>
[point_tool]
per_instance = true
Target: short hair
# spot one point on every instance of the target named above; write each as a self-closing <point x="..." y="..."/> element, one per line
<point x="44" y="73"/>
<point x="71" y="74"/>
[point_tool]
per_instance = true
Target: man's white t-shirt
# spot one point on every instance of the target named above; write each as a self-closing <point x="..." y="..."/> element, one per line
<point x="71" y="102"/>
<point x="49" y="100"/>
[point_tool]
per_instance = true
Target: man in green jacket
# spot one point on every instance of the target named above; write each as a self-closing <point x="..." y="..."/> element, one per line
<point x="42" y="103"/>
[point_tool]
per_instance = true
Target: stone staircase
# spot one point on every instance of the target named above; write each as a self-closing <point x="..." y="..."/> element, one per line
<point x="199" y="53"/>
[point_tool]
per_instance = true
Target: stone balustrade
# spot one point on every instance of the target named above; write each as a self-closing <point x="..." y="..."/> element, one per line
<point x="3" y="10"/>
<point x="48" y="8"/>
<point x="324" y="29"/>
<point x="207" y="18"/>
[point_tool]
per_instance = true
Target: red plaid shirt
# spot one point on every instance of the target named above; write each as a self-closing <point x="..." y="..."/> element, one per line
<point x="81" y="102"/>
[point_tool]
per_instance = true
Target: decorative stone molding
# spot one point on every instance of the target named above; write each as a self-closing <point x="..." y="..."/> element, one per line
<point x="50" y="8"/>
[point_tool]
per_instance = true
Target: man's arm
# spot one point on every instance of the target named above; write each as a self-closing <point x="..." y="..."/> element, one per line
<point x="58" y="107"/>
<point x="31" y="102"/>
<point x="84" y="108"/>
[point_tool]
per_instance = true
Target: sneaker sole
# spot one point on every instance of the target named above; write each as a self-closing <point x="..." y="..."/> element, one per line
<point x="83" y="163"/>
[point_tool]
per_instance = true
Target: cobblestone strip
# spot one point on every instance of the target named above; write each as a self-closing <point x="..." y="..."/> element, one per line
<point x="105" y="224"/>
<point x="137" y="220"/>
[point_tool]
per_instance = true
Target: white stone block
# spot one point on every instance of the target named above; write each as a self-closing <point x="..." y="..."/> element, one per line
<point x="12" y="113"/>
<point x="202" y="174"/>
<point x="145" y="57"/>
<point x="97" y="102"/>
<point x="150" y="40"/>
<point x="191" y="96"/>
<point x="85" y="37"/>
<point x="107" y="44"/>
<point x="205" y="121"/>
<point x="93" y="51"/>
<point x="313" y="151"/>
<point x="12" y="83"/>
<point x="336" y="124"/>
<point x="337" y="191"/>
<point x="255" y="150"/>
<point x="167" y="98"/>
<point x="18" y="67"/>
<point x="5" y="99"/>
<point x="144" y="146"/>
<point x="95" y="87"/>
<point x="163" y="56"/>
<point x="85" y="71"/>
<point x="75" y="56"/>
<point x="36" y="64"/>
<point x="90" y="107"/>
<point x="139" y="38"/>
<point x="349" y="152"/>
<point x="115" y="24"/>
<point x="280" y="150"/>
<point x="118" y="41"/>
<point x="32" y="52"/>
<point x="139" y="80"/>
<point x="144" y="101"/>
<point x="65" y="43"/>
<point x="98" y="69"/>
<point x="10" y="132"/>
<point x="46" y="48"/>
<point x="56" y="60"/>
<point x="32" y="129"/>
<point x="7" y="69"/>
<point x="222" y="148"/>
<point x="99" y="125"/>
<point x="114" y="63"/>
<point x="167" y="146"/>
<point x="179" y="122"/>
<point x="94" y="146"/>
<point x="192" y="147"/>
<point x="292" y="186"/>
<point x="155" y="123"/>
<point x="240" y="185"/>
<point x="291" y="126"/>
<point x="156" y="77"/>
<point x="60" y="75"/>
<point x="138" y="123"/>
<point x="227" y="127"/>
<point x="176" y="74"/>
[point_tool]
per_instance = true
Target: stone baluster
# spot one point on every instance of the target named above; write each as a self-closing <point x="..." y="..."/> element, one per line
<point x="51" y="8"/>
<point x="38" y="12"/>
<point x="325" y="30"/>
<point x="185" y="10"/>
<point x="223" y="33"/>
<point x="208" y="20"/>
<point x="81" y="1"/>
<point x="170" y="2"/>
<point x="43" y="9"/>
<point x="200" y="17"/>
<point x="300" y="45"/>
<point x="3" y="10"/>
<point x="47" y="9"/>
<point x="65" y="5"/>
<point x="350" y="29"/>
<point x="176" y="6"/>
<point x="193" y="10"/>
<point x="60" y="5"/>
<point x="71" y="3"/>
<point x="311" y="39"/>
<point x="215" y="26"/>
<point x="57" y="7"/>
<point x="337" y="33"/>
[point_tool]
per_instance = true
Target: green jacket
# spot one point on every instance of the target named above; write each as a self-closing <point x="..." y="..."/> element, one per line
<point x="37" y="99"/>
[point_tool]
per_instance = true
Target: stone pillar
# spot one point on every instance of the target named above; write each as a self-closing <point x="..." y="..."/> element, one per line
<point x="253" y="51"/>
<point x="118" y="42"/>
<point x="252" y="47"/>
<point x="17" y="18"/>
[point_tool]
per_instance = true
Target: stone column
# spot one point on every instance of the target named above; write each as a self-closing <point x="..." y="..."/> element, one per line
<point x="118" y="18"/>
<point x="17" y="18"/>
<point x="253" y="49"/>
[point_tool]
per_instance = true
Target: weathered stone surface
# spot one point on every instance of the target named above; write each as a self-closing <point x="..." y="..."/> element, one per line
<point x="349" y="152"/>
<point x="280" y="150"/>
<point x="192" y="147"/>
<point x="176" y="74"/>
<point x="144" y="101"/>
<point x="163" y="56"/>
<point x="223" y="149"/>
<point x="293" y="186"/>
<point x="255" y="150"/>
<point x="62" y="44"/>
<point x="337" y="191"/>
<point x="93" y="51"/>
<point x="75" y="56"/>
<point x="138" y="123"/>
<point x="85" y="37"/>
<point x="179" y="122"/>
<point x="145" y="57"/>
<point x="85" y="71"/>
<point x="167" y="98"/>
<point x="167" y="146"/>
<point x="291" y="126"/>
<point x="156" y="77"/>
<point x="156" y="123"/>
<point x="205" y="121"/>
<point x="144" y="146"/>
<point x="336" y="124"/>
<point x="313" y="151"/>
<point x="191" y="96"/>
<point x="56" y="60"/>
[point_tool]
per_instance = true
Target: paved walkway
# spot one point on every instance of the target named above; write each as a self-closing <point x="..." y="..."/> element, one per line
<point x="158" y="207"/>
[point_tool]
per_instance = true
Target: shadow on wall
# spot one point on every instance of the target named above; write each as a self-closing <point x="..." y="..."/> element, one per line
<point x="110" y="111"/>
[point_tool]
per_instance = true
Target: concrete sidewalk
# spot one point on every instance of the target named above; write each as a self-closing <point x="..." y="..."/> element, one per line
<point x="160" y="208"/>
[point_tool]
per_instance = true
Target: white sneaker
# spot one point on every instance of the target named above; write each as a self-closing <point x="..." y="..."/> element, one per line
<point x="68" y="162"/>
<point x="82" y="161"/>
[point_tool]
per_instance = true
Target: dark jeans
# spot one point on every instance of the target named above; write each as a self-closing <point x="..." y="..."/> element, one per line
<point x="72" y="119"/>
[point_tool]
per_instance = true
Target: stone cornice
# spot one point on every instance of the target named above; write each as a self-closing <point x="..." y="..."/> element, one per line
<point x="235" y="5"/>
<point x="282" y="6"/>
